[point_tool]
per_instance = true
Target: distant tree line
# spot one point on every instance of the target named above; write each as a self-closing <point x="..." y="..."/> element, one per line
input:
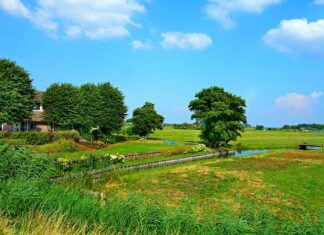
<point x="304" y="126"/>
<point x="185" y="126"/>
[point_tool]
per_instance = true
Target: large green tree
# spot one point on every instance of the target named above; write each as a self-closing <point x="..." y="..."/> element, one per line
<point x="89" y="106"/>
<point x="221" y="114"/>
<point x="16" y="93"/>
<point x="61" y="104"/>
<point x="146" y="120"/>
<point x="112" y="110"/>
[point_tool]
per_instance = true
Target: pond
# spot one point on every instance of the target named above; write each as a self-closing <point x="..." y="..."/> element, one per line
<point x="314" y="148"/>
<point x="248" y="152"/>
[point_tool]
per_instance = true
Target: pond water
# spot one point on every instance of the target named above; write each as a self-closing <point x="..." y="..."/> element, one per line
<point x="248" y="152"/>
<point x="314" y="148"/>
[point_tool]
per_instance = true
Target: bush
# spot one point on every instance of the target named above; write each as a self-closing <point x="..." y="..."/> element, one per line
<point x="65" y="145"/>
<point x="72" y="134"/>
<point x="17" y="143"/>
<point x="197" y="148"/>
<point x="31" y="137"/>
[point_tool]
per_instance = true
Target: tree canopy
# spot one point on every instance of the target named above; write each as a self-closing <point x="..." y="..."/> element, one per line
<point x="16" y="93"/>
<point x="146" y="120"/>
<point x="221" y="114"/>
<point x="90" y="106"/>
<point x="61" y="105"/>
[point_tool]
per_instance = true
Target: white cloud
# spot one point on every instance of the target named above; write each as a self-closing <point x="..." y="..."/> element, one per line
<point x="294" y="103"/>
<point x="185" y="41"/>
<point x="94" y="19"/>
<point x="298" y="36"/>
<point x="318" y="2"/>
<point x="222" y="10"/>
<point x="139" y="45"/>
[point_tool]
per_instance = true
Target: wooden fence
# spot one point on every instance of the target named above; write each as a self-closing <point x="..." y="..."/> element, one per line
<point x="99" y="173"/>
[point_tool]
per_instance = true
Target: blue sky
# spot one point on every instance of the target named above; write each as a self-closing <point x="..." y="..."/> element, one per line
<point x="270" y="52"/>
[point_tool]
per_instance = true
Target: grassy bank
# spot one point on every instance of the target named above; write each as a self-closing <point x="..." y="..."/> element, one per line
<point x="285" y="184"/>
<point x="251" y="139"/>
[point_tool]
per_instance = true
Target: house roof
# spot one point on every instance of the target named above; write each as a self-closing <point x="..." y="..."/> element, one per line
<point x="39" y="96"/>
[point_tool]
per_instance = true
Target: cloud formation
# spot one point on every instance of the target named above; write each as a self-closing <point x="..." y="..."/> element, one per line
<point x="298" y="36"/>
<point x="185" y="41"/>
<point x="318" y="2"/>
<point x="95" y="19"/>
<point x="139" y="45"/>
<point x="296" y="104"/>
<point x="222" y="10"/>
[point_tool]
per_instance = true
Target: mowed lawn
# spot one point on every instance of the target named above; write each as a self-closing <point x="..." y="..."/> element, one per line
<point x="287" y="184"/>
<point x="251" y="139"/>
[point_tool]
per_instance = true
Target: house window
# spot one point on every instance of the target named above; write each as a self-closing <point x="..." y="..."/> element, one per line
<point x="38" y="107"/>
<point x="33" y="126"/>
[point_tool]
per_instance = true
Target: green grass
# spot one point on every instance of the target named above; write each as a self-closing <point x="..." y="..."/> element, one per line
<point x="286" y="184"/>
<point x="130" y="147"/>
<point x="177" y="135"/>
<point x="251" y="139"/>
<point x="280" y="192"/>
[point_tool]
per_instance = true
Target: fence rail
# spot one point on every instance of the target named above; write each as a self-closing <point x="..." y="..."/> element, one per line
<point x="99" y="173"/>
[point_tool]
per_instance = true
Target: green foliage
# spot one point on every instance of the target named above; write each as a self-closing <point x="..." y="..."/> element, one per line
<point x="259" y="127"/>
<point x="31" y="137"/>
<point x="197" y="148"/>
<point x="221" y="114"/>
<point x="22" y="164"/>
<point x="68" y="135"/>
<point x="16" y="93"/>
<point x="61" y="105"/>
<point x="90" y="106"/>
<point x="66" y="145"/>
<point x="112" y="112"/>
<point x="146" y="120"/>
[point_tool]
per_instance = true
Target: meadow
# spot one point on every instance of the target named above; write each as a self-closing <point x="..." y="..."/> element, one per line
<point x="251" y="138"/>
<point x="278" y="192"/>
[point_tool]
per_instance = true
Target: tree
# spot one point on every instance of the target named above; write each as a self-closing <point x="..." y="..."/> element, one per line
<point x="61" y="104"/>
<point x="16" y="93"/>
<point x="112" y="111"/>
<point x="89" y="106"/>
<point x="221" y="114"/>
<point x="259" y="127"/>
<point x="146" y="120"/>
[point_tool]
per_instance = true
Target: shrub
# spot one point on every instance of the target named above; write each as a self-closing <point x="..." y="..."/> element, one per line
<point x="31" y="137"/>
<point x="72" y="134"/>
<point x="65" y="145"/>
<point x="197" y="148"/>
<point x="17" y="143"/>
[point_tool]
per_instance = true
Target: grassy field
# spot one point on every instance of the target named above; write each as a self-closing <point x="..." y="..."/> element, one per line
<point x="286" y="184"/>
<point x="278" y="192"/>
<point x="251" y="139"/>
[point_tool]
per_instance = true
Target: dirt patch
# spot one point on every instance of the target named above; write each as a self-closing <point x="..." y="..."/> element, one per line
<point x="303" y="155"/>
<point x="185" y="169"/>
<point x="111" y="185"/>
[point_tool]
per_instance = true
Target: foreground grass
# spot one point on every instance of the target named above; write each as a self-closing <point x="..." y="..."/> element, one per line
<point x="286" y="184"/>
<point x="251" y="139"/>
